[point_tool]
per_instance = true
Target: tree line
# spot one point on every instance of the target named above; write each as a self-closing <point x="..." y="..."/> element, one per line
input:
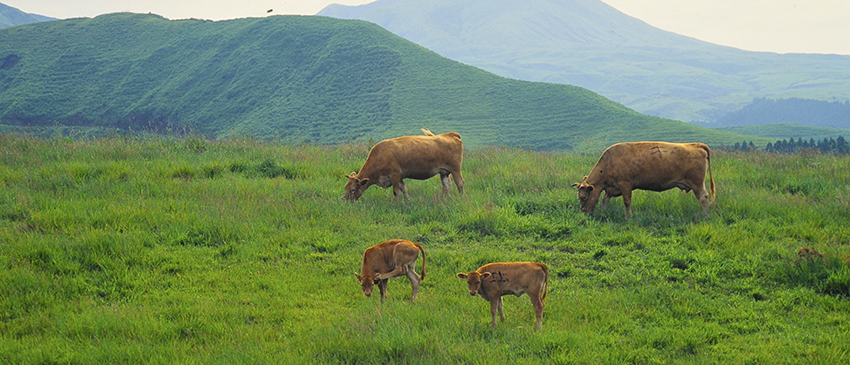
<point x="837" y="146"/>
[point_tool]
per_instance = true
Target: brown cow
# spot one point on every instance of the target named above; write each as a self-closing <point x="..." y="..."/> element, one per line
<point x="655" y="166"/>
<point x="410" y="157"/>
<point x="492" y="281"/>
<point x="387" y="260"/>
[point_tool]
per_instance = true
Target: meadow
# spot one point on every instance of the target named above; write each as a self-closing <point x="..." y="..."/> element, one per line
<point x="185" y="250"/>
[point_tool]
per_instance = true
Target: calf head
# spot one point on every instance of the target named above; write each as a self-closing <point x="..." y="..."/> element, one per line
<point x="355" y="187"/>
<point x="367" y="281"/>
<point x="588" y="196"/>
<point x="473" y="280"/>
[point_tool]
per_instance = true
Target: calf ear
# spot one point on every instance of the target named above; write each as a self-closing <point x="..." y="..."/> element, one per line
<point x="485" y="275"/>
<point x="461" y="275"/>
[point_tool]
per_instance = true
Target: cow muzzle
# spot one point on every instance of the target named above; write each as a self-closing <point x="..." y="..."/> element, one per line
<point x="473" y="293"/>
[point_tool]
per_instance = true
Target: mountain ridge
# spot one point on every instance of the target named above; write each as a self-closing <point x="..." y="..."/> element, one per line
<point x="10" y="16"/>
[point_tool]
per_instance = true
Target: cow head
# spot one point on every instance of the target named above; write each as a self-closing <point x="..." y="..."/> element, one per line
<point x="588" y="196"/>
<point x="367" y="281"/>
<point x="473" y="280"/>
<point x="355" y="187"/>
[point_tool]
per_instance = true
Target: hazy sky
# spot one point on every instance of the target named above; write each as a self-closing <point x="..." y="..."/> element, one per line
<point x="783" y="26"/>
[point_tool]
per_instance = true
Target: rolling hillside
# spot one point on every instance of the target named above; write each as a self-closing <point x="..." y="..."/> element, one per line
<point x="592" y="45"/>
<point x="294" y="78"/>
<point x="10" y="16"/>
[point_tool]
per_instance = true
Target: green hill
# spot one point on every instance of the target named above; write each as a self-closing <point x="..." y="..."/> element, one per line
<point x="294" y="78"/>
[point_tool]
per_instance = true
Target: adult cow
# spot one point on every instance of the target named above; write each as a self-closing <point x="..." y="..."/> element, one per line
<point x="410" y="157"/>
<point x="655" y="166"/>
<point x="387" y="260"/>
<point x="492" y="281"/>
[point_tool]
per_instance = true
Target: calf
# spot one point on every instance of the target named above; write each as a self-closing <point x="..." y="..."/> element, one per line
<point x="387" y="260"/>
<point x="492" y="281"/>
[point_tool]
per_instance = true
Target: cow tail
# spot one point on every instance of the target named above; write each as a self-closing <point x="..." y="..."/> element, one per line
<point x="710" y="177"/>
<point x="545" y="281"/>
<point x="422" y="277"/>
<point x="427" y="132"/>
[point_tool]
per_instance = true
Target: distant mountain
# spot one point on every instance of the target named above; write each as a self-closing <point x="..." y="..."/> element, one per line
<point x="10" y="16"/>
<point x="295" y="78"/>
<point x="592" y="45"/>
<point x="797" y="111"/>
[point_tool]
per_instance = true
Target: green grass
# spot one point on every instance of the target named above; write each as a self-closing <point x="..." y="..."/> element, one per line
<point x="169" y="250"/>
<point x="291" y="79"/>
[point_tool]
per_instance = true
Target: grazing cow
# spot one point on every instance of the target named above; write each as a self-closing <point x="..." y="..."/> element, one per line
<point x="410" y="157"/>
<point x="492" y="281"/>
<point x="655" y="166"/>
<point x="387" y="260"/>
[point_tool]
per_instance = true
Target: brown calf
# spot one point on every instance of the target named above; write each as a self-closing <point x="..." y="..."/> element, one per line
<point x="655" y="166"/>
<point x="387" y="260"/>
<point x="492" y="281"/>
<point x="410" y="157"/>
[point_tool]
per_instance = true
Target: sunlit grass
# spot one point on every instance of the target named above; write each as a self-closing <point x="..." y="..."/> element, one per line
<point x="109" y="256"/>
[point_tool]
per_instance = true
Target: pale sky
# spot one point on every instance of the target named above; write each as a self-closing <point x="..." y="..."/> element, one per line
<point x="782" y="26"/>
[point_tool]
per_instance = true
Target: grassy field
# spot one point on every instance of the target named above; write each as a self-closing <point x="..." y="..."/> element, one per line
<point x="189" y="251"/>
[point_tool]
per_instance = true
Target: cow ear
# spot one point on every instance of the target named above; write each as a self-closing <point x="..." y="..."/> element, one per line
<point x="358" y="276"/>
<point x="352" y="175"/>
<point x="485" y="275"/>
<point x="589" y="188"/>
<point x="461" y="275"/>
<point x="364" y="181"/>
<point x="574" y="185"/>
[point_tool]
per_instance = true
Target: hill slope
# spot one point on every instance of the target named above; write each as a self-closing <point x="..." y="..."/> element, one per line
<point x="10" y="16"/>
<point x="297" y="78"/>
<point x="590" y="44"/>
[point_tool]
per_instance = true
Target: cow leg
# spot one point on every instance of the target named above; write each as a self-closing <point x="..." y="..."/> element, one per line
<point x="627" y="201"/>
<point x="446" y="182"/>
<point x="605" y="200"/>
<point x="494" y="309"/>
<point x="414" y="281"/>
<point x="702" y="195"/>
<point x="398" y="186"/>
<point x="458" y="178"/>
<point x="382" y="287"/>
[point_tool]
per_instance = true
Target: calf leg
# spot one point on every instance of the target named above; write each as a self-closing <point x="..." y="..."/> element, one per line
<point x="538" y="304"/>
<point x="502" y="309"/>
<point x="382" y="287"/>
<point x="494" y="309"/>
<point x="414" y="281"/>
